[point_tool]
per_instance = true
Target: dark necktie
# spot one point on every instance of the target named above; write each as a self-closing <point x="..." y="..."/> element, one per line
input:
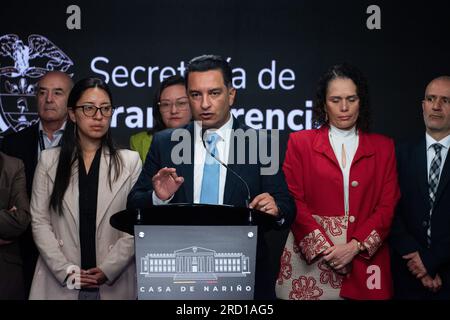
<point x="433" y="182"/>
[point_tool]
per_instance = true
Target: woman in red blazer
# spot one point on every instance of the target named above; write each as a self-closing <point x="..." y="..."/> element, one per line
<point x="344" y="182"/>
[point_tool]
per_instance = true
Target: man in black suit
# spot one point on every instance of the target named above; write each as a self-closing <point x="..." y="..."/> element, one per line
<point x="420" y="235"/>
<point x="52" y="93"/>
<point x="210" y="92"/>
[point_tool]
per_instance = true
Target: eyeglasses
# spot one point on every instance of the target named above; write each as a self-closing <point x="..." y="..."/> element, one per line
<point x="91" y="110"/>
<point x="181" y="105"/>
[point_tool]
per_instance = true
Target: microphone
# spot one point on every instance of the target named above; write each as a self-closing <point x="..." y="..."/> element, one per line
<point x="138" y="216"/>
<point x="247" y="201"/>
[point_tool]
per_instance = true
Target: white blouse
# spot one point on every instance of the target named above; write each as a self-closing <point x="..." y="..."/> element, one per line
<point x="344" y="144"/>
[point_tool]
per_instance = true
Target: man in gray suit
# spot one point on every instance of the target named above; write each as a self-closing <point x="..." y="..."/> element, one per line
<point x="14" y="219"/>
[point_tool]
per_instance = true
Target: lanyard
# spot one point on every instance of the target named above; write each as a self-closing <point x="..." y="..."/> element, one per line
<point x="41" y="141"/>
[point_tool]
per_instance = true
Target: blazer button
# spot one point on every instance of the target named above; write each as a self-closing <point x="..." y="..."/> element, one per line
<point x="61" y="243"/>
<point x="110" y="247"/>
<point x="352" y="219"/>
<point x="355" y="183"/>
<point x="425" y="223"/>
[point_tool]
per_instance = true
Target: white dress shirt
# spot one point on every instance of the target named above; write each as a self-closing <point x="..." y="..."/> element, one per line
<point x="445" y="143"/>
<point x="49" y="143"/>
<point x="349" y="139"/>
<point x="222" y="145"/>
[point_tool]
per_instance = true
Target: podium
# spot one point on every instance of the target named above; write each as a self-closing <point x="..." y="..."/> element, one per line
<point x="196" y="251"/>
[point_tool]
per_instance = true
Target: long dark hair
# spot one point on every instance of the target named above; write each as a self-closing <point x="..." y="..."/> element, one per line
<point x="71" y="149"/>
<point x="158" y="123"/>
<point x="343" y="71"/>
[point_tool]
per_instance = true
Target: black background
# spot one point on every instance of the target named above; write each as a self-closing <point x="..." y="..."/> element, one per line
<point x="411" y="48"/>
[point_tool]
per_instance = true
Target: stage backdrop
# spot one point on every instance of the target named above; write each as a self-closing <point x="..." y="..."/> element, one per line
<point x="278" y="50"/>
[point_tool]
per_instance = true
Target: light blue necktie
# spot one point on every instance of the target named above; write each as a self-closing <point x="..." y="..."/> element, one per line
<point x="211" y="173"/>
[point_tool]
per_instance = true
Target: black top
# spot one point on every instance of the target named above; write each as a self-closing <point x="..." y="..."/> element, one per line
<point x="88" y="190"/>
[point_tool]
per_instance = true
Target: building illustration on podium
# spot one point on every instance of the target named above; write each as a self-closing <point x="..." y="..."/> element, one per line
<point x="195" y="263"/>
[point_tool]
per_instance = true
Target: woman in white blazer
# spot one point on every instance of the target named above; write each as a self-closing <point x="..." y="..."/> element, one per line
<point x="76" y="189"/>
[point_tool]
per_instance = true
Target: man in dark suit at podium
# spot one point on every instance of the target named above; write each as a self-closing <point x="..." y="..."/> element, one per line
<point x="202" y="179"/>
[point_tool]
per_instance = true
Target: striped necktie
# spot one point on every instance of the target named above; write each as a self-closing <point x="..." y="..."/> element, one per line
<point x="433" y="182"/>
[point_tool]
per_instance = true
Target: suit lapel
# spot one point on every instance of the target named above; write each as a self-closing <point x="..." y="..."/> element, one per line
<point x="231" y="182"/>
<point x="420" y="155"/>
<point x="72" y="193"/>
<point x="444" y="179"/>
<point x="321" y="144"/>
<point x="4" y="195"/>
<point x="106" y="194"/>
<point x="33" y="152"/>
<point x="365" y="148"/>
<point x="186" y="170"/>
<point x="30" y="156"/>
<point x="231" y="179"/>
